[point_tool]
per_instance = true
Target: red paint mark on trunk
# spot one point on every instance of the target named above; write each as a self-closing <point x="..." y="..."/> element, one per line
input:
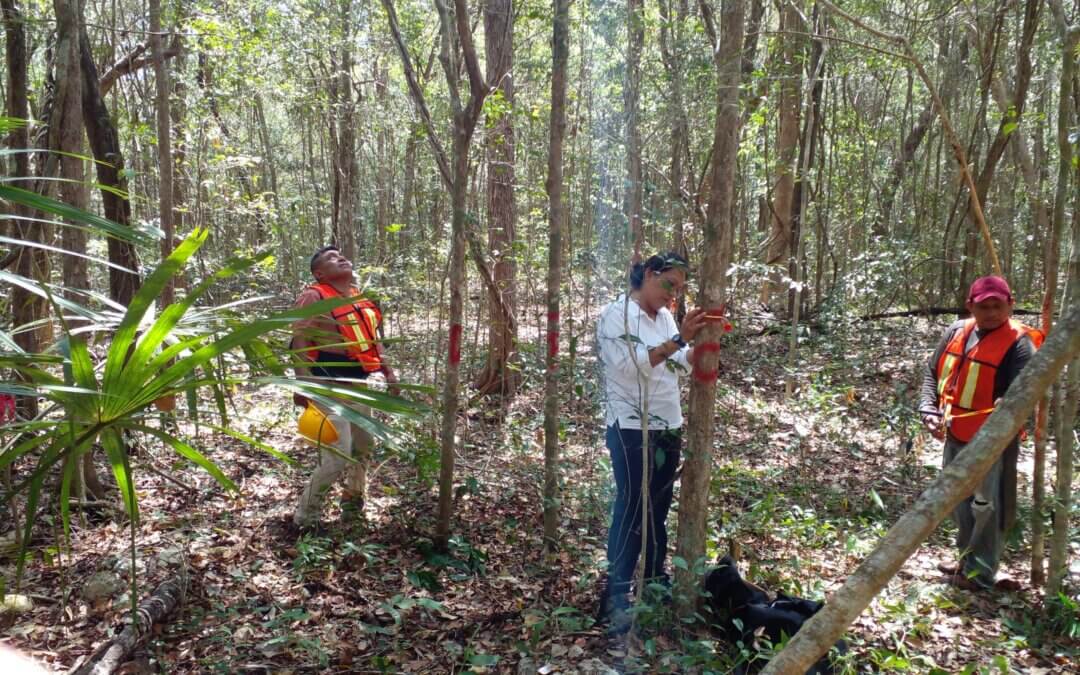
<point x="553" y="347"/>
<point x="553" y="317"/>
<point x="455" y="344"/>
<point x="706" y="376"/>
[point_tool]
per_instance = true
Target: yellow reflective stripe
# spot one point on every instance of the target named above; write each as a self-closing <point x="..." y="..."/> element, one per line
<point x="970" y="383"/>
<point x="946" y="372"/>
<point x="354" y="322"/>
<point x="372" y="319"/>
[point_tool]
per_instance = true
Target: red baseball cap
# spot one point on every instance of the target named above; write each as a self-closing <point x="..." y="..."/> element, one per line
<point x="985" y="288"/>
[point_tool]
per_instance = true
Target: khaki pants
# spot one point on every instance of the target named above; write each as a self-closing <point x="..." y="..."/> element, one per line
<point x="353" y="442"/>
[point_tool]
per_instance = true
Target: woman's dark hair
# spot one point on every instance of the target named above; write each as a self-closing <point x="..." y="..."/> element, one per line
<point x="657" y="263"/>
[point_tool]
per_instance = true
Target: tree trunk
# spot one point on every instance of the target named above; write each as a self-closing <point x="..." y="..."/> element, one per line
<point x="1067" y="183"/>
<point x="635" y="44"/>
<point x="66" y="139"/>
<point x="497" y="376"/>
<point x="105" y="144"/>
<point x="1051" y="259"/>
<point x="807" y="147"/>
<point x="718" y="228"/>
<point x="556" y="211"/>
<point x="955" y="482"/>
<point x="29" y="262"/>
<point x="164" y="145"/>
<point x="383" y="163"/>
<point x="343" y="229"/>
<point x="782" y="203"/>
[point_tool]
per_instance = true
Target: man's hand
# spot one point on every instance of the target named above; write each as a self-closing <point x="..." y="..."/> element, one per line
<point x="933" y="425"/>
<point x="391" y="380"/>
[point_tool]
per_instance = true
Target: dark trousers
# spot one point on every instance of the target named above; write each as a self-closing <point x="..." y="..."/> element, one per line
<point x="624" y="538"/>
<point x="984" y="518"/>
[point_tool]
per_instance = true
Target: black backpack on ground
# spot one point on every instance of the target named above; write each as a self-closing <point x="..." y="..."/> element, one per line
<point x="743" y="612"/>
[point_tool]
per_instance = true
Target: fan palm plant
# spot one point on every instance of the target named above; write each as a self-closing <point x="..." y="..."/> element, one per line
<point x="179" y="352"/>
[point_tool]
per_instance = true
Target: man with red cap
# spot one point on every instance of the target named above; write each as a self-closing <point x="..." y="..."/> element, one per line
<point x="971" y="369"/>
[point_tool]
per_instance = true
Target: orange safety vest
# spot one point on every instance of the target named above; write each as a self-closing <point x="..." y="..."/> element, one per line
<point x="358" y="324"/>
<point x="966" y="377"/>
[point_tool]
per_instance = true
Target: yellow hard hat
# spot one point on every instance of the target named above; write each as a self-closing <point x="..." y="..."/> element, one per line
<point x="315" y="427"/>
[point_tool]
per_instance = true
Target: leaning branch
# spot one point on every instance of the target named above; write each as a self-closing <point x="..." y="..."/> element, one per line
<point x="954" y="141"/>
<point x="134" y="61"/>
<point x="954" y="483"/>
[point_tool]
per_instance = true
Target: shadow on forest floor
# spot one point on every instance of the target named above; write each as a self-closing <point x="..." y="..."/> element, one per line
<point x="803" y="490"/>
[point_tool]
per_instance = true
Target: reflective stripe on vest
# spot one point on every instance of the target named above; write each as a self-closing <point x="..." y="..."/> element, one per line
<point x="358" y="324"/>
<point x="966" y="377"/>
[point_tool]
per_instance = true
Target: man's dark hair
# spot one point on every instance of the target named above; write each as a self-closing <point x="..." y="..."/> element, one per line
<point x="657" y="263"/>
<point x="318" y="254"/>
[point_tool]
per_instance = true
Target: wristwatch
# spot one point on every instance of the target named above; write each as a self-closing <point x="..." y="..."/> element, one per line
<point x="677" y="339"/>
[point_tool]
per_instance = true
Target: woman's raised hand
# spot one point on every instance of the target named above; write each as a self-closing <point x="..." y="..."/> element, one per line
<point x="692" y="323"/>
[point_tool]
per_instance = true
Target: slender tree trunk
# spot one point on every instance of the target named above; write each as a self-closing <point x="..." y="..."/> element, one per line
<point x="457" y="50"/>
<point x="383" y="163"/>
<point x="701" y="429"/>
<point x="497" y="376"/>
<point x="105" y="144"/>
<point x="955" y="482"/>
<point x="1067" y="184"/>
<point x="635" y="44"/>
<point x="782" y="203"/>
<point x="344" y="158"/>
<point x="1051" y="258"/>
<point x="807" y="147"/>
<point x="164" y="145"/>
<point x="29" y="262"/>
<point x="556" y="211"/>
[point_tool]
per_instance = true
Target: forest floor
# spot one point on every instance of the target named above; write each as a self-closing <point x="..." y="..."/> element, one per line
<point x="803" y="489"/>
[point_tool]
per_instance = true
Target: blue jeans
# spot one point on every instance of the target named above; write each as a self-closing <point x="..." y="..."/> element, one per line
<point x="624" y="538"/>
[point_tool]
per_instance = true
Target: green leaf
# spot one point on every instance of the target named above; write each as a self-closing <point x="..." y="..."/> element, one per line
<point x="34" y="201"/>
<point x="1008" y="128"/>
<point x="876" y="499"/>
<point x="113" y="443"/>
<point x="681" y="563"/>
<point x="120" y="376"/>
<point x="189" y="453"/>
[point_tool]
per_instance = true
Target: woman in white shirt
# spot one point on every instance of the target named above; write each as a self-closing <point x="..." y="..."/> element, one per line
<point x="643" y="351"/>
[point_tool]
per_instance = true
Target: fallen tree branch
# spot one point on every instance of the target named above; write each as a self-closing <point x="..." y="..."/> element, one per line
<point x="165" y="599"/>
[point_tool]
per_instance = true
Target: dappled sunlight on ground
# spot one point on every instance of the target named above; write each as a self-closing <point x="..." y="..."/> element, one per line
<point x="801" y="490"/>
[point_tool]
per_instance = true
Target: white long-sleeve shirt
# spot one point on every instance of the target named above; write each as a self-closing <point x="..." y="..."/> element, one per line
<point x="624" y="335"/>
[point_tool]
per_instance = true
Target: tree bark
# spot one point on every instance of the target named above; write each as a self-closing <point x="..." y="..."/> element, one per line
<point x="1068" y="180"/>
<point x="497" y="376"/>
<point x="718" y="228"/>
<point x="556" y="212"/>
<point x="343" y="216"/>
<point x="29" y="262"/>
<point x="105" y="144"/>
<point x="789" y="69"/>
<point x="955" y="482"/>
<point x="164" y="146"/>
<point x="635" y="44"/>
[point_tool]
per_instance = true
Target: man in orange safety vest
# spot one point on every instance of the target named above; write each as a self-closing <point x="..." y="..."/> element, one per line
<point x="971" y="369"/>
<point x="343" y="346"/>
